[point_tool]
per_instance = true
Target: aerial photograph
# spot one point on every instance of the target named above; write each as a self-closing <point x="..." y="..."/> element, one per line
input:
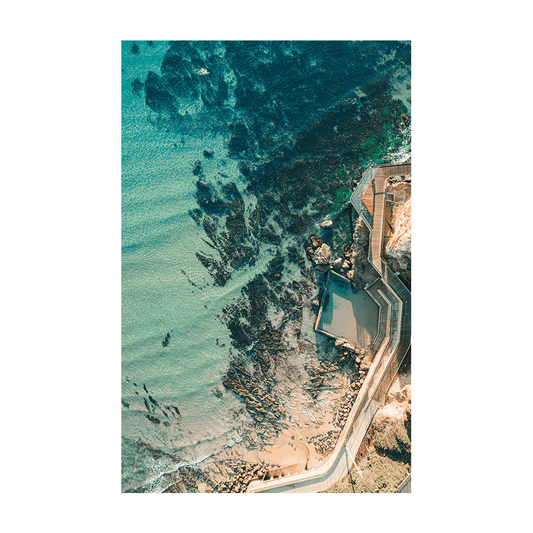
<point x="265" y="266"/>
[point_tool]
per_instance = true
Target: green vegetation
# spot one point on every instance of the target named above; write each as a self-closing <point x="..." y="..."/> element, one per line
<point x="375" y="150"/>
<point x="391" y="439"/>
<point x="403" y="108"/>
<point x="388" y="464"/>
<point x="380" y="474"/>
<point x="126" y="405"/>
<point x="339" y="204"/>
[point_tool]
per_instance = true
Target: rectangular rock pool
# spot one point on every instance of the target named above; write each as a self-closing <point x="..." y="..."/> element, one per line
<point x="347" y="312"/>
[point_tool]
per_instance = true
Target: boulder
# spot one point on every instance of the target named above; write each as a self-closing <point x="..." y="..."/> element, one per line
<point x="337" y="264"/>
<point x="323" y="255"/>
<point x="350" y="274"/>
<point x="348" y="346"/>
<point x="326" y="224"/>
<point x="315" y="241"/>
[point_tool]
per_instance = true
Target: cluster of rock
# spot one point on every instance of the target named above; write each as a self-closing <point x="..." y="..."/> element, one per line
<point x="356" y="357"/>
<point x="325" y="443"/>
<point x="262" y="405"/>
<point x="399" y="179"/>
<point x="319" y="254"/>
<point x="345" y="404"/>
<point x="191" y="479"/>
<point x="347" y="350"/>
<point x="350" y="263"/>
<point x="350" y="353"/>
<point x="244" y="473"/>
<point x="268" y="348"/>
<point x="398" y="247"/>
<point x="237" y="476"/>
<point x="319" y="376"/>
<point x="359" y="246"/>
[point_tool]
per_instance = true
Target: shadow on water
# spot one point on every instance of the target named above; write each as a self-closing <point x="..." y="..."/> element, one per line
<point x="326" y="234"/>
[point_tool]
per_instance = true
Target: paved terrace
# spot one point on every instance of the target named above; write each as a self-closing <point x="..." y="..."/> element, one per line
<point x="394" y="341"/>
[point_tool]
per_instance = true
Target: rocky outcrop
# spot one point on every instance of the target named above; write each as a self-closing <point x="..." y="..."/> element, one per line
<point x="358" y="250"/>
<point x="261" y="404"/>
<point x="319" y="253"/>
<point x="398" y="248"/>
<point x="319" y="376"/>
<point x="322" y="255"/>
<point x="325" y="443"/>
<point x="345" y="404"/>
<point x="243" y="474"/>
<point x="350" y="263"/>
<point x="192" y="480"/>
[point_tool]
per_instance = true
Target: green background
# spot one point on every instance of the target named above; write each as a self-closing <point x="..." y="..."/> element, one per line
<point x="51" y="202"/>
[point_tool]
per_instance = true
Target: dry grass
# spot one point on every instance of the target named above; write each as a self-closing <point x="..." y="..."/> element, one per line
<point x="388" y="462"/>
<point x="380" y="474"/>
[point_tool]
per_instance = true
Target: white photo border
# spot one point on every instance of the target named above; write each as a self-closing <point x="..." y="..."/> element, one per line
<point x="113" y="32"/>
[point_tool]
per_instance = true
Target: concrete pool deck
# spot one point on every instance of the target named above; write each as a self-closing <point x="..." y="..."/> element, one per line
<point x="349" y="313"/>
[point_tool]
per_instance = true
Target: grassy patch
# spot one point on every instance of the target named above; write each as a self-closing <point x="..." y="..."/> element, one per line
<point x="391" y="438"/>
<point x="385" y="467"/>
<point x="380" y="474"/>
